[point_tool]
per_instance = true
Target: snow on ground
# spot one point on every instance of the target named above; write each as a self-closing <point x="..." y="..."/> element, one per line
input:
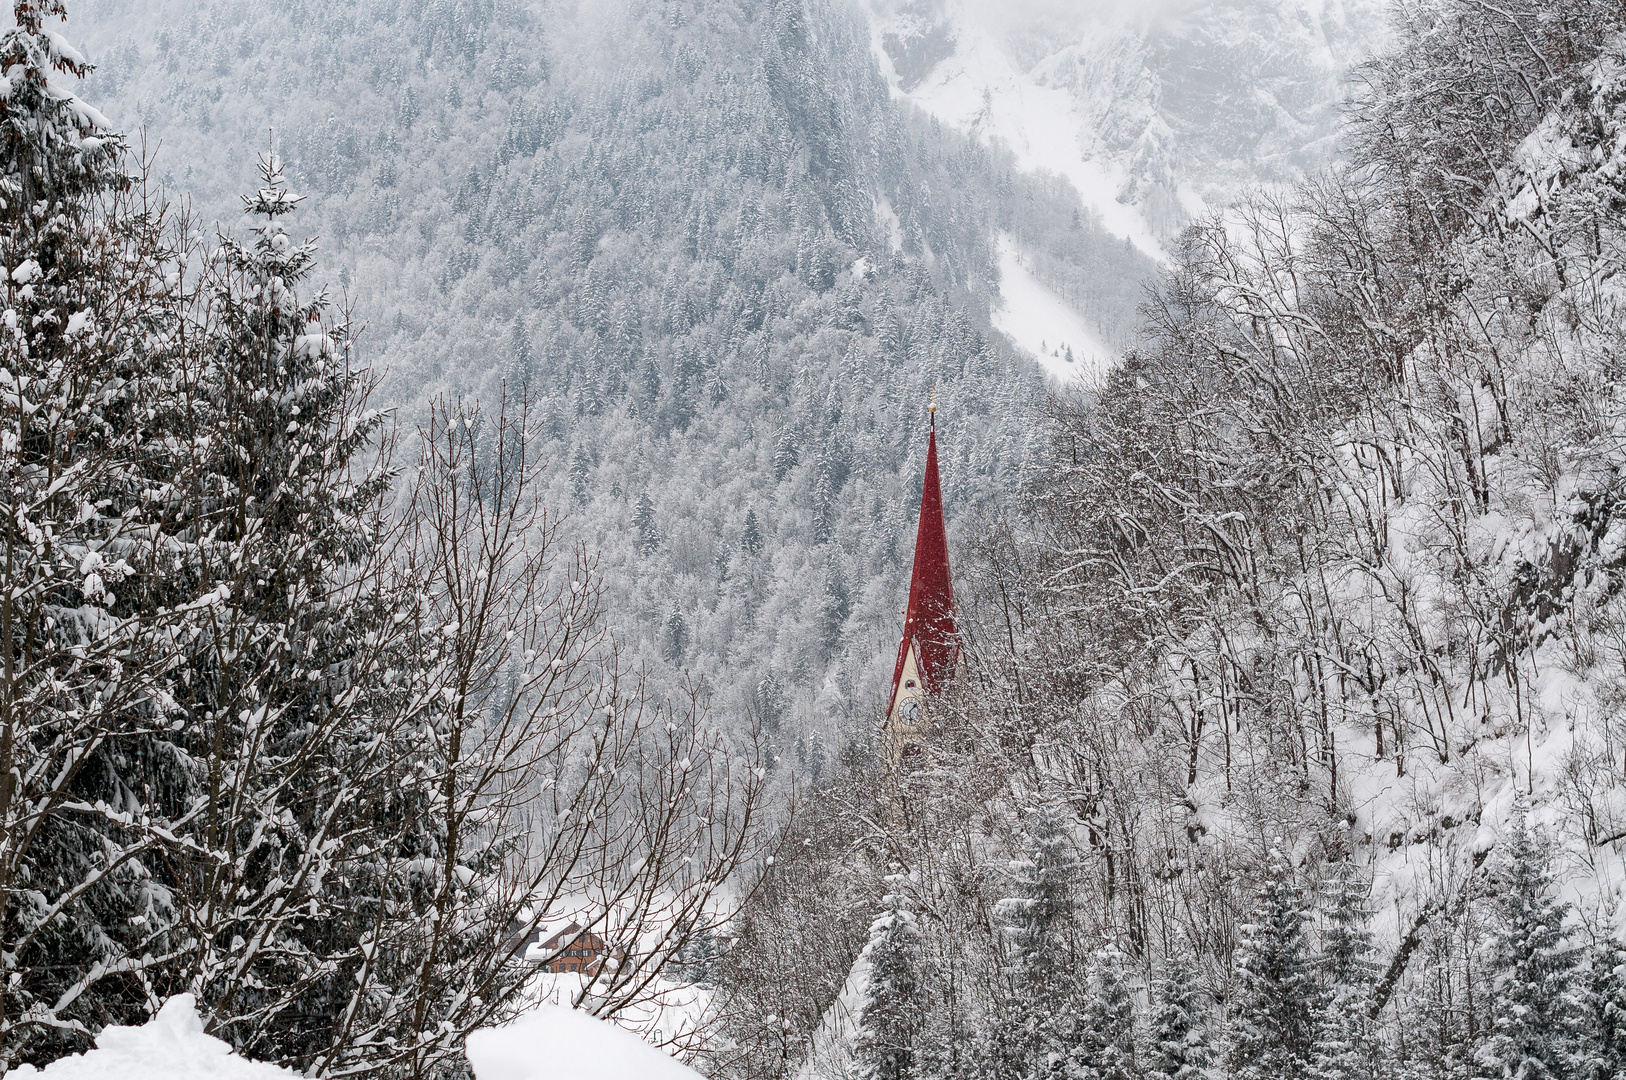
<point x="170" y="1046"/>
<point x="1040" y="322"/>
<point x="832" y="1050"/>
<point x="673" y="1015"/>
<point x="550" y="1042"/>
<point x="556" y="1043"/>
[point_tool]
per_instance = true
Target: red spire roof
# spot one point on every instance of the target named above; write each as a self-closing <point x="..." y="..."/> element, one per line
<point x="928" y="622"/>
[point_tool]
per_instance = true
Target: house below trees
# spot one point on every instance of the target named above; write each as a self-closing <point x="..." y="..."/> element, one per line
<point x="570" y="950"/>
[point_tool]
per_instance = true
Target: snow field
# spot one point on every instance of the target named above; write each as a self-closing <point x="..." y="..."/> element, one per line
<point x="555" y="1043"/>
<point x="979" y="90"/>
<point x="1041" y="323"/>
<point x="673" y="1014"/>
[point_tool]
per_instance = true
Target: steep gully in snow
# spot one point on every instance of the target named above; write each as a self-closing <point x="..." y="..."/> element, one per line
<point x="1156" y="115"/>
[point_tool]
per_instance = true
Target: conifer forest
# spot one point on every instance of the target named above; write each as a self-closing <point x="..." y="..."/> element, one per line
<point x="821" y="539"/>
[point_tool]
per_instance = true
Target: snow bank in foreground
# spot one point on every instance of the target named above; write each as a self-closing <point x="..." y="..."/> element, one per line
<point x="170" y="1046"/>
<point x="549" y="1043"/>
<point x="671" y="1012"/>
<point x="555" y="1043"/>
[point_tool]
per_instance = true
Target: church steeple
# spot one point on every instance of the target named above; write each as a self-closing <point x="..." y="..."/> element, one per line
<point x="930" y="649"/>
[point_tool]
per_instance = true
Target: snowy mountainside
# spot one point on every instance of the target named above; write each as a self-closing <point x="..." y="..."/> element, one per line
<point x="1155" y="112"/>
<point x="1324" y="599"/>
<point x="1400" y="639"/>
<point x="729" y="263"/>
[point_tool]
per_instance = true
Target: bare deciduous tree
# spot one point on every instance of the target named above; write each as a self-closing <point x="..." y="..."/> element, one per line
<point x="542" y="787"/>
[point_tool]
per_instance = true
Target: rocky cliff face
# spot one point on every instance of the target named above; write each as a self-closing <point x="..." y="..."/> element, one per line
<point x="1156" y="112"/>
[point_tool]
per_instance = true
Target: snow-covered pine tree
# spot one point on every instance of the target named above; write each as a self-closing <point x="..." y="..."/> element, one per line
<point x="1104" y="1043"/>
<point x="648" y="535"/>
<point x="676" y="644"/>
<point x="785" y="455"/>
<point x="1604" y="1022"/>
<point x="892" y="1014"/>
<point x="697" y="960"/>
<point x="296" y="723"/>
<point x="1347" y="1039"/>
<point x="581" y="466"/>
<point x="1535" y="1006"/>
<point x="1042" y="1014"/>
<point x="1348" y="958"/>
<point x="751" y="541"/>
<point x="1177" y="1044"/>
<point x="1277" y="999"/>
<point x="834" y="605"/>
<point x="85" y="469"/>
<point x="1038" y="913"/>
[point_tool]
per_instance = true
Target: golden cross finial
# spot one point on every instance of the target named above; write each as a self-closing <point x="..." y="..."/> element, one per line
<point x="932" y="408"/>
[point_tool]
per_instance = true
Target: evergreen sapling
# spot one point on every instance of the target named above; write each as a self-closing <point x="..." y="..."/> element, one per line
<point x="1535" y="1008"/>
<point x="1043" y="1018"/>
<point x="892" y="1015"/>
<point x="1604" y="1050"/>
<point x="1347" y="1044"/>
<point x="1104" y="1046"/>
<point x="1178" y="1047"/>
<point x="1278" y="999"/>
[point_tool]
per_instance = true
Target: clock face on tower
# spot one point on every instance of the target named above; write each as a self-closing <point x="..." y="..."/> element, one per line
<point x="909" y="711"/>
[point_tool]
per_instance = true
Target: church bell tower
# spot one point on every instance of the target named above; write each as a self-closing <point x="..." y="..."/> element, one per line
<point x="930" y="649"/>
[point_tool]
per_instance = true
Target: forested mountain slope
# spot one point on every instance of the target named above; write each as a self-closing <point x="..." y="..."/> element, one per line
<point x="730" y="267"/>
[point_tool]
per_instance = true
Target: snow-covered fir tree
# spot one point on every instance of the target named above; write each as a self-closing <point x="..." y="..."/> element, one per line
<point x="294" y="727"/>
<point x="1042" y="1015"/>
<point x="1177" y="1043"/>
<point x="644" y="525"/>
<point x="751" y="534"/>
<point x="697" y="960"/>
<point x="1277" y="1001"/>
<point x="1103" y="1045"/>
<point x="890" y="1021"/>
<point x="677" y="636"/>
<point x="581" y="470"/>
<point x="87" y="619"/>
<point x="1604" y="1012"/>
<point x="1039" y="908"/>
<point x="1536" y="987"/>
<point x="1348" y="1044"/>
